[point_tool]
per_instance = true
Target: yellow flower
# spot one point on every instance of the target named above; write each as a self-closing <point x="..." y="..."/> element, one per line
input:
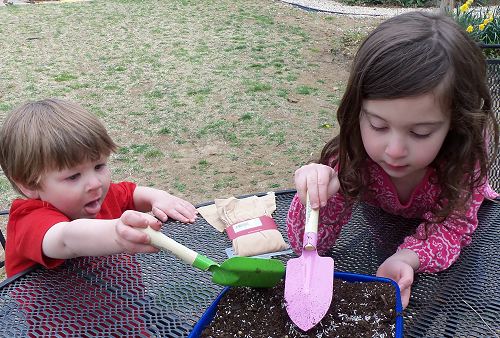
<point x="470" y="29"/>
<point x="486" y="21"/>
<point x="481" y="27"/>
<point x="464" y="8"/>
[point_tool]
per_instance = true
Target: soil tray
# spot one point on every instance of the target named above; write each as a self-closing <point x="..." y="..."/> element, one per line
<point x="362" y="306"/>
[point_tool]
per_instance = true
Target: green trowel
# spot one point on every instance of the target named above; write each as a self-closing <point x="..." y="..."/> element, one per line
<point x="235" y="271"/>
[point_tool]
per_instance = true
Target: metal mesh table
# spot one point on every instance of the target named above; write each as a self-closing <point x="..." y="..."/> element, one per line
<point x="494" y="83"/>
<point x="157" y="295"/>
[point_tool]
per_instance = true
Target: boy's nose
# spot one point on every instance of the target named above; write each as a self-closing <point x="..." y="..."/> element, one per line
<point x="93" y="182"/>
<point x="396" y="148"/>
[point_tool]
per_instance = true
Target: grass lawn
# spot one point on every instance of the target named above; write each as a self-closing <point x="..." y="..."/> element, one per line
<point x="207" y="99"/>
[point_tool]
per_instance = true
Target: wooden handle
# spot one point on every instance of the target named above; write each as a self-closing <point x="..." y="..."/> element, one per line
<point x="311" y="227"/>
<point x="312" y="217"/>
<point x="164" y="242"/>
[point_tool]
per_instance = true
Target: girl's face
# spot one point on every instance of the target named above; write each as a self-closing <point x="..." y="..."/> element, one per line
<point x="79" y="191"/>
<point x="403" y="135"/>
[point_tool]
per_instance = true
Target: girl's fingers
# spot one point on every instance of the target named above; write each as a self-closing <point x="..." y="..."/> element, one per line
<point x="313" y="189"/>
<point x="319" y="181"/>
<point x="333" y="188"/>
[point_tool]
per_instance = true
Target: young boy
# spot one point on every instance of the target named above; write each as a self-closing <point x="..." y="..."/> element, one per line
<point x="55" y="153"/>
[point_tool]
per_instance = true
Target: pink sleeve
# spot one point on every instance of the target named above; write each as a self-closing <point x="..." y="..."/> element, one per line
<point x="439" y="246"/>
<point x="331" y="220"/>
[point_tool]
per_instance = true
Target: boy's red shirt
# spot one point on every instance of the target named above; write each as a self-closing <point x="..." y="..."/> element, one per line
<point x="30" y="219"/>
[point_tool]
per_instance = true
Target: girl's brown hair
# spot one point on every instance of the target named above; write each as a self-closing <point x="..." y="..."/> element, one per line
<point x="49" y="135"/>
<point x="409" y="55"/>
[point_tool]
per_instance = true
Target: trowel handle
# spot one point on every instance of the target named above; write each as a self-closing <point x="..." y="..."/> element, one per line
<point x="311" y="227"/>
<point x="191" y="257"/>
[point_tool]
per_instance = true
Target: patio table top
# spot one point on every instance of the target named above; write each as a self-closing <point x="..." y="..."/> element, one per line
<point x="158" y="295"/>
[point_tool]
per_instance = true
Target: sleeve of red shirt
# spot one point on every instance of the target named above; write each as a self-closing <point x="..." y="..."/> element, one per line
<point x="29" y="221"/>
<point x="120" y="197"/>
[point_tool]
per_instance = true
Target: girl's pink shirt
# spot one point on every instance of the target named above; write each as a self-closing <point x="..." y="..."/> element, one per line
<point x="437" y="247"/>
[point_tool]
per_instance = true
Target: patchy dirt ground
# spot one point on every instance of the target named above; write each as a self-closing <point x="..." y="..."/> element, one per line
<point x="206" y="100"/>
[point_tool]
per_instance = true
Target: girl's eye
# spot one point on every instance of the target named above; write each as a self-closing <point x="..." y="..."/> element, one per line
<point x="100" y="166"/>
<point x="420" y="135"/>
<point x="377" y="128"/>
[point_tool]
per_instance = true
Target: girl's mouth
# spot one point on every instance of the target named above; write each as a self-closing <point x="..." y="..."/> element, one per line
<point x="396" y="167"/>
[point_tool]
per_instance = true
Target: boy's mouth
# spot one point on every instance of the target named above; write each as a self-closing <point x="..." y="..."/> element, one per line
<point x="93" y="207"/>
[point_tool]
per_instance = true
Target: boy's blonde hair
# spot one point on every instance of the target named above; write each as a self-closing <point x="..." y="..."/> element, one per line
<point x="48" y="135"/>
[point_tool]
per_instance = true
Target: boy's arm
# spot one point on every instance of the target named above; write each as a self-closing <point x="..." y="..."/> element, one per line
<point x="163" y="204"/>
<point x="96" y="237"/>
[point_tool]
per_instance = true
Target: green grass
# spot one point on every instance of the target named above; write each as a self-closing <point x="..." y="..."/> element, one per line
<point x="205" y="98"/>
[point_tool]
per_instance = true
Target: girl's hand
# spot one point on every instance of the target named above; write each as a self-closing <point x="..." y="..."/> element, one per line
<point x="132" y="240"/>
<point x="400" y="267"/>
<point x="175" y="207"/>
<point x="319" y="180"/>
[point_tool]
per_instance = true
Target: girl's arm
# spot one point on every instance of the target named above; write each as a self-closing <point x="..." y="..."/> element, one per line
<point x="96" y="237"/>
<point x="163" y="205"/>
<point x="439" y="244"/>
<point x="400" y="267"/>
<point x="331" y="220"/>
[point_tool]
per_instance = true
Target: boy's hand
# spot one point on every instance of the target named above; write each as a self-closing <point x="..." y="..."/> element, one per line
<point x="174" y="207"/>
<point x="319" y="180"/>
<point x="132" y="240"/>
<point x="400" y="267"/>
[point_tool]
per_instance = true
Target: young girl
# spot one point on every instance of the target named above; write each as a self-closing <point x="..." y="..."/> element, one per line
<point x="55" y="153"/>
<point x="413" y="126"/>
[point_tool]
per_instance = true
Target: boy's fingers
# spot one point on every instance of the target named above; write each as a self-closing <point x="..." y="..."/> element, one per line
<point x="160" y="214"/>
<point x="190" y="208"/>
<point x="187" y="210"/>
<point x="180" y="216"/>
<point x="139" y="220"/>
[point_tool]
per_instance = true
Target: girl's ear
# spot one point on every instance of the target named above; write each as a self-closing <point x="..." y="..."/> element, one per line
<point x="28" y="192"/>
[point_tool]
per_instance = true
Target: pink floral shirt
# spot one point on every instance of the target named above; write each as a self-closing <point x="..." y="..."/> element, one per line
<point x="437" y="248"/>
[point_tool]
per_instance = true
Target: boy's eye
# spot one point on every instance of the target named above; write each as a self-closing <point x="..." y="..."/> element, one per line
<point x="100" y="166"/>
<point x="73" y="177"/>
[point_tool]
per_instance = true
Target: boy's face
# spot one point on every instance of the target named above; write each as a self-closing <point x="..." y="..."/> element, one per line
<point x="79" y="191"/>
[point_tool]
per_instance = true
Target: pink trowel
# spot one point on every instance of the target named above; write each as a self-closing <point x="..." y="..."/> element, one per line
<point x="309" y="279"/>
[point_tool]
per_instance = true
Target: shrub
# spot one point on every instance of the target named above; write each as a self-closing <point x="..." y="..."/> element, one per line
<point x="391" y="3"/>
<point x="482" y="23"/>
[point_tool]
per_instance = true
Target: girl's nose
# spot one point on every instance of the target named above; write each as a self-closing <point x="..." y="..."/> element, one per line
<point x="396" y="148"/>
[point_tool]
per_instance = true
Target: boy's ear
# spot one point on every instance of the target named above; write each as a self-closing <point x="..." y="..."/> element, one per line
<point x="28" y="192"/>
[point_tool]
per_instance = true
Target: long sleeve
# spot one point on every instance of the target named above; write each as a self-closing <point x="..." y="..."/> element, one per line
<point x="438" y="245"/>
<point x="332" y="218"/>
